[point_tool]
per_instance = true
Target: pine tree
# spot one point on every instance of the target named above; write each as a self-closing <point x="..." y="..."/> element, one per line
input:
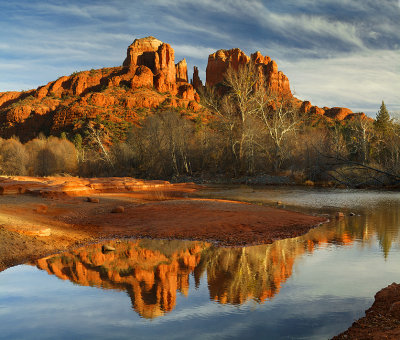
<point x="77" y="141"/>
<point x="382" y="118"/>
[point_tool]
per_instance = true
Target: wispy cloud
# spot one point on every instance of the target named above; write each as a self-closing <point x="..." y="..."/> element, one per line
<point x="335" y="52"/>
<point x="359" y="81"/>
<point x="195" y="52"/>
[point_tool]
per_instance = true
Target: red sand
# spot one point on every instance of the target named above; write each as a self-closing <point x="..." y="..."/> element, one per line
<point x="53" y="217"/>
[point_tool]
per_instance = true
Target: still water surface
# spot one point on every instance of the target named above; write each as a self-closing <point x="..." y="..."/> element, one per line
<point x="310" y="287"/>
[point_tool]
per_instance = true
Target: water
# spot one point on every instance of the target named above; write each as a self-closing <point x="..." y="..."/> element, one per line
<point x="310" y="287"/>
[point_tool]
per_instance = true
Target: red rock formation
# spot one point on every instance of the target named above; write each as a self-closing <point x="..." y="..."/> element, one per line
<point x="141" y="52"/>
<point x="274" y="80"/>
<point x="181" y="71"/>
<point x="357" y="115"/>
<point x="158" y="57"/>
<point x="148" y="78"/>
<point x="258" y="58"/>
<point x="196" y="82"/>
<point x="220" y="61"/>
<point x="8" y="98"/>
<point x="338" y="112"/>
<point x="186" y="91"/>
<point x="143" y="78"/>
<point x="18" y="114"/>
<point x="305" y="107"/>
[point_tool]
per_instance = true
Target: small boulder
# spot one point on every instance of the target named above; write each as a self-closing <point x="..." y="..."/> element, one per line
<point x="352" y="214"/>
<point x="118" y="209"/>
<point x="92" y="200"/>
<point x="106" y="248"/>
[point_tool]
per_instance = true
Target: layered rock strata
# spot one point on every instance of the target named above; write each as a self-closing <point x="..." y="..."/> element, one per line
<point x="147" y="80"/>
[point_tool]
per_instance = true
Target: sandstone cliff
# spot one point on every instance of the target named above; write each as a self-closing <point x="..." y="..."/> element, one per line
<point x="269" y="75"/>
<point x="120" y="96"/>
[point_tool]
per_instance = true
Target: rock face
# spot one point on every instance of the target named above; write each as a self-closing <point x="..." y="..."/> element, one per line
<point x="220" y="61"/>
<point x="181" y="71"/>
<point x="143" y="78"/>
<point x="159" y="58"/>
<point x="147" y="79"/>
<point x="270" y="77"/>
<point x="338" y="112"/>
<point x="142" y="52"/>
<point x="196" y="82"/>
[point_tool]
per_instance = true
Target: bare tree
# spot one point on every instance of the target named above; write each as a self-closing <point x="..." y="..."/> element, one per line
<point x="242" y="83"/>
<point x="162" y="146"/>
<point x="361" y="139"/>
<point x="281" y="120"/>
<point x="13" y="157"/>
<point x="97" y="135"/>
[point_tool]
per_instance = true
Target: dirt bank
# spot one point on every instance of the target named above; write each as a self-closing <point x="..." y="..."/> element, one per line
<point x="44" y="218"/>
<point x="381" y="321"/>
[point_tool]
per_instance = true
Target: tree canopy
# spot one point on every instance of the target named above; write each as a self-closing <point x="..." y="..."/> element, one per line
<point x="382" y="118"/>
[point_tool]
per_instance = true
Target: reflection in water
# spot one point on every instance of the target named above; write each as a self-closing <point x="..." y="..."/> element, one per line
<point x="153" y="271"/>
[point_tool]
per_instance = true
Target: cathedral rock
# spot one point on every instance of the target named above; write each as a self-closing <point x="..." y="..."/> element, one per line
<point x="147" y="80"/>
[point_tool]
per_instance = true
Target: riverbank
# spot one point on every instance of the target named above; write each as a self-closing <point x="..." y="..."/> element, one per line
<point x="278" y="180"/>
<point x="40" y="216"/>
<point x="381" y="321"/>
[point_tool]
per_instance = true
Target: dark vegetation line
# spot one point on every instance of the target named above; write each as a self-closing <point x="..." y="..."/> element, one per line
<point x="250" y="133"/>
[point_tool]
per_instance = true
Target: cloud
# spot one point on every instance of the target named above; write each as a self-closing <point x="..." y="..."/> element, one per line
<point x="90" y="11"/>
<point x="196" y="52"/>
<point x="340" y="39"/>
<point x="358" y="81"/>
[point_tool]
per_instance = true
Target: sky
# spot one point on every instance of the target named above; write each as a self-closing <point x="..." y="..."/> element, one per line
<point x="335" y="52"/>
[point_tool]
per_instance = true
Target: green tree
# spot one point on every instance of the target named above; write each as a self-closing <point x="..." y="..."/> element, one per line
<point x="77" y="140"/>
<point x="382" y="118"/>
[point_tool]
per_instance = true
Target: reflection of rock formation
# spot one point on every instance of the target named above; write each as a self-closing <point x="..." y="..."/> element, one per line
<point x="152" y="272"/>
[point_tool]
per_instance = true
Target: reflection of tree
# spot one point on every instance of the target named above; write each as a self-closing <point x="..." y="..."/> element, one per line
<point x="385" y="224"/>
<point x="236" y="274"/>
<point x="152" y="272"/>
<point x="380" y="222"/>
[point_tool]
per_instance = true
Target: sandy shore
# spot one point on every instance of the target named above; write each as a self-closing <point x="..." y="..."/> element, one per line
<point x="39" y="223"/>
